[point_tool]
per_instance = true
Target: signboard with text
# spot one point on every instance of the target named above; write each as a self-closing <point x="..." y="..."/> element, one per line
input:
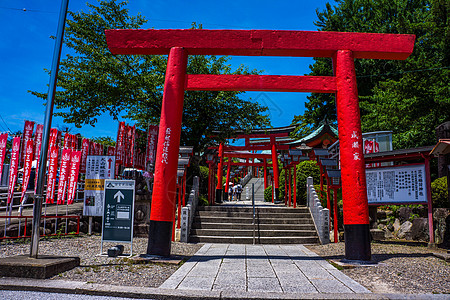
<point x="118" y="213"/>
<point x="98" y="168"/>
<point x="400" y="184"/>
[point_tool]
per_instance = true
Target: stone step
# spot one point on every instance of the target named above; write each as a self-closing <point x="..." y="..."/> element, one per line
<point x="283" y="209"/>
<point x="209" y="219"/>
<point x="249" y="226"/>
<point x="249" y="233"/>
<point x="243" y="214"/>
<point x="249" y="240"/>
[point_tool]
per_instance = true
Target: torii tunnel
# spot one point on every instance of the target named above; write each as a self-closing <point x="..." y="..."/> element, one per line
<point x="342" y="47"/>
<point x="272" y="145"/>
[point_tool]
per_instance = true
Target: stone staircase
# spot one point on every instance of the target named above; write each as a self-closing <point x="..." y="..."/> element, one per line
<point x="233" y="224"/>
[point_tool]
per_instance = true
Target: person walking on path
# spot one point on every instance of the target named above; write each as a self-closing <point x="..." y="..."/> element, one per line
<point x="238" y="192"/>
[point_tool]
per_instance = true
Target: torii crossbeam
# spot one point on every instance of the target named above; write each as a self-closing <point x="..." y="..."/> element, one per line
<point x="342" y="47"/>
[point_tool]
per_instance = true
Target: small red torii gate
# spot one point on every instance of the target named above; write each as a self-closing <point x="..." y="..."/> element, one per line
<point x="342" y="47"/>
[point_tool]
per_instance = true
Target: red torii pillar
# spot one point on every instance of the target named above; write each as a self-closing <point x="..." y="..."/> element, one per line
<point x="265" y="174"/>
<point x="343" y="47"/>
<point x="276" y="175"/>
<point x="219" y="175"/>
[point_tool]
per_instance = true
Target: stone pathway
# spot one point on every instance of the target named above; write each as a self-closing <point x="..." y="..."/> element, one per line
<point x="260" y="268"/>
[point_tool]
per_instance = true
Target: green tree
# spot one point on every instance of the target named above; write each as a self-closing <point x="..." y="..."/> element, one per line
<point x="409" y="97"/>
<point x="93" y="82"/>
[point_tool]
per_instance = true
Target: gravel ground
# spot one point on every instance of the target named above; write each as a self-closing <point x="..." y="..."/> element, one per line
<point x="410" y="269"/>
<point x="101" y="269"/>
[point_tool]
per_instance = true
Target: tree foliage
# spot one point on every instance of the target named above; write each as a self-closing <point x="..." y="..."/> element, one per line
<point x="409" y="97"/>
<point x="93" y="82"/>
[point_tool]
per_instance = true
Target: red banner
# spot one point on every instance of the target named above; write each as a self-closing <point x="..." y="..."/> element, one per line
<point x="37" y="167"/>
<point x="73" y="175"/>
<point x="51" y="178"/>
<point x="84" y="154"/>
<point x="27" y="135"/>
<point x="27" y="167"/>
<point x="119" y="143"/>
<point x="110" y="151"/>
<point x="132" y="143"/>
<point x="38" y="140"/>
<point x="14" y="166"/>
<point x="3" y="140"/>
<point x="152" y="140"/>
<point x="67" y="141"/>
<point x="63" y="175"/>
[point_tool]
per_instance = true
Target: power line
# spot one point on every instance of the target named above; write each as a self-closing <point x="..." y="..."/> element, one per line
<point x="5" y="124"/>
<point x="30" y="10"/>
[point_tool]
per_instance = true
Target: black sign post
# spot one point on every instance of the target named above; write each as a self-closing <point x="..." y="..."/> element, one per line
<point x="118" y="212"/>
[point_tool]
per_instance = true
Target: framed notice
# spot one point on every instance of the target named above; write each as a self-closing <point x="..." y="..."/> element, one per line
<point x="98" y="168"/>
<point x="397" y="185"/>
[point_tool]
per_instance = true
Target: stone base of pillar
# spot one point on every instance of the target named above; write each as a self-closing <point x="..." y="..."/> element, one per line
<point x="357" y="242"/>
<point x="159" y="238"/>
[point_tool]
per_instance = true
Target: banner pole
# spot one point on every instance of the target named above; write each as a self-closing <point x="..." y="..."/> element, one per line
<point x="37" y="208"/>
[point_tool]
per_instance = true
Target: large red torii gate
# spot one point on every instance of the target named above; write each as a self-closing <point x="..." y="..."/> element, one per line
<point x="342" y="47"/>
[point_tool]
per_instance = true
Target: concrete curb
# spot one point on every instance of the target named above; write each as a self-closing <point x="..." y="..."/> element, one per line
<point x="76" y="287"/>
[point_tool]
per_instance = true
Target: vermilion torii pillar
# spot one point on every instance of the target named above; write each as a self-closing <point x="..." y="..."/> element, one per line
<point x="343" y="47"/>
<point x="220" y="175"/>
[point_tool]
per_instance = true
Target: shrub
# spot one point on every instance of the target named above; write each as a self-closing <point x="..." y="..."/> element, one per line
<point x="304" y="170"/>
<point x="202" y="200"/>
<point x="439" y="193"/>
<point x="268" y="194"/>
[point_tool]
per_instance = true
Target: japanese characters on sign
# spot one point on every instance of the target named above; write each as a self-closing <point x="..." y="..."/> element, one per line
<point x="14" y="161"/>
<point x="400" y="184"/>
<point x="98" y="168"/>
<point x="166" y="144"/>
<point x="63" y="175"/>
<point x="38" y="140"/>
<point x="52" y="172"/>
<point x="27" y="166"/>
<point x="152" y="141"/>
<point x="3" y="139"/>
<point x="356" y="146"/>
<point x="84" y="154"/>
<point x="73" y="176"/>
<point x="27" y="134"/>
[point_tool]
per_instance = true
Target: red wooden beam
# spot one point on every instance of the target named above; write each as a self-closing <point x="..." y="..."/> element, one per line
<point x="247" y="155"/>
<point x="260" y="42"/>
<point x="250" y="164"/>
<point x="269" y="83"/>
<point x="251" y="147"/>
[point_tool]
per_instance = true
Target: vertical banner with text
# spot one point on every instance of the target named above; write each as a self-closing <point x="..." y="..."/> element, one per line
<point x="3" y="140"/>
<point x="73" y="176"/>
<point x="14" y="166"/>
<point x="27" y="167"/>
<point x="63" y="175"/>
<point x="52" y="172"/>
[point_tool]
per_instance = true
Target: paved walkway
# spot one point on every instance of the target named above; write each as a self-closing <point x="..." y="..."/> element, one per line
<point x="260" y="268"/>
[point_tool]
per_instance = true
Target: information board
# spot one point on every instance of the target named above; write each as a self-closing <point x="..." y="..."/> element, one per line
<point x="118" y="213"/>
<point x="400" y="184"/>
<point x="98" y="168"/>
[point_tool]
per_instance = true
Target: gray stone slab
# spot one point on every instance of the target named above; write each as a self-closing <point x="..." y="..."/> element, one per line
<point x="260" y="271"/>
<point x="330" y="286"/>
<point x="230" y="287"/>
<point x="197" y="283"/>
<point x="263" y="285"/>
<point x="316" y="273"/>
<point x="350" y="283"/>
<point x="307" y="288"/>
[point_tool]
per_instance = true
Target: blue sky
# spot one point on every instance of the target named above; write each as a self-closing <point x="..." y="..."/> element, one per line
<point x="26" y="49"/>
